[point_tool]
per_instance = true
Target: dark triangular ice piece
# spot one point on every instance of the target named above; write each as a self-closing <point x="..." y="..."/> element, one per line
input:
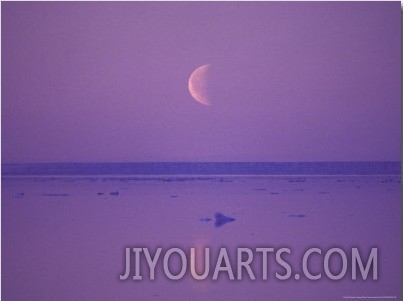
<point x="221" y="219"/>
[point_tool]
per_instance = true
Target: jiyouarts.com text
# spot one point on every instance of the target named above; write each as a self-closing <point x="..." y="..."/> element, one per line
<point x="250" y="263"/>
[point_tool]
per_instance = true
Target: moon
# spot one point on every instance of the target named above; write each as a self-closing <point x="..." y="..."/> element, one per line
<point x="198" y="85"/>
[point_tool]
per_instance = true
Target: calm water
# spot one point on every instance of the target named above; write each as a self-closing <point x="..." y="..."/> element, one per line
<point x="64" y="237"/>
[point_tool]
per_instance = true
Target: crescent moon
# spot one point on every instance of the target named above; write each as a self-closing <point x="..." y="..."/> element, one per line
<point x="198" y="85"/>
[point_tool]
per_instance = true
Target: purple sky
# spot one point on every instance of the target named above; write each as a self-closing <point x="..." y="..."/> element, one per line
<point x="289" y="81"/>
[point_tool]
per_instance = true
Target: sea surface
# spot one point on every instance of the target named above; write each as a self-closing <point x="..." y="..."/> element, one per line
<point x="64" y="231"/>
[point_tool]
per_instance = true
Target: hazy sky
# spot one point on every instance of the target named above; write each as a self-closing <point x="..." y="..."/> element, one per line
<point x="290" y="81"/>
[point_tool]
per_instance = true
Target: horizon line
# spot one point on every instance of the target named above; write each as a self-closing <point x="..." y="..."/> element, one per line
<point x="147" y="162"/>
<point x="205" y="168"/>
